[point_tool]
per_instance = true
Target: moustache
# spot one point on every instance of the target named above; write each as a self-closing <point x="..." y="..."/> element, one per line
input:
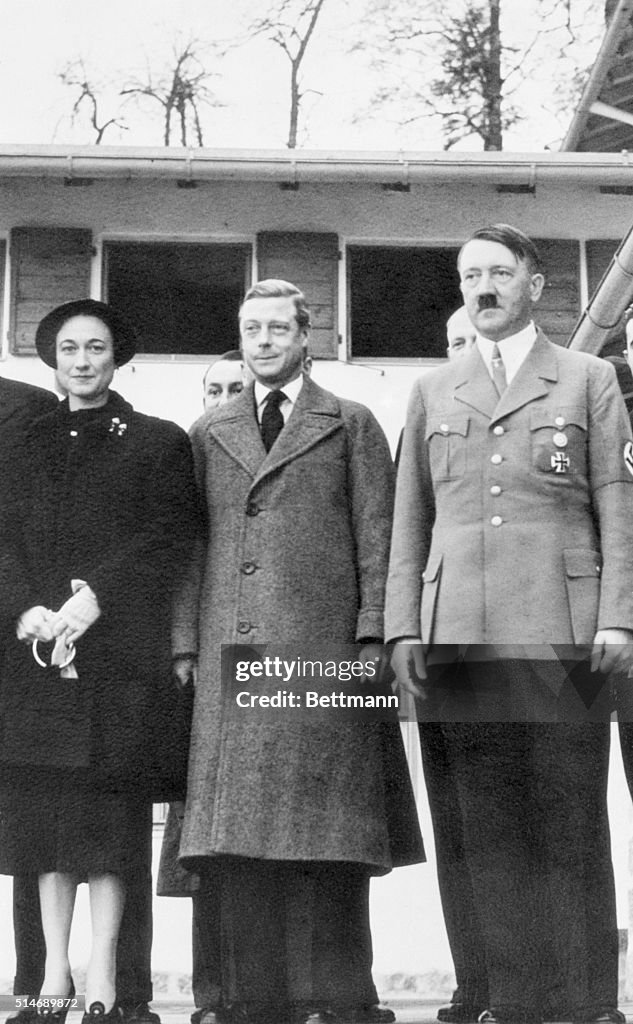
<point x="487" y="302"/>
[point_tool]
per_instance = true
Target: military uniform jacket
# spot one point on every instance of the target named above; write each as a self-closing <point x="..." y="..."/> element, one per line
<point x="514" y="514"/>
<point x="297" y="553"/>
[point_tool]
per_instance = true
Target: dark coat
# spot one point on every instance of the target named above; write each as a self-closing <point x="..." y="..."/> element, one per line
<point x="492" y="544"/>
<point x="108" y="497"/>
<point x="297" y="555"/>
<point x="20" y="404"/>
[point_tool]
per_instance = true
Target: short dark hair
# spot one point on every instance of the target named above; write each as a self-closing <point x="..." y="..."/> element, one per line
<point x="275" y="288"/>
<point x="519" y="244"/>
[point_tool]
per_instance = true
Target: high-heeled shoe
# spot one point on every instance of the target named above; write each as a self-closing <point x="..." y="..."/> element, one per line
<point x="96" y="1014"/>
<point x="51" y="1015"/>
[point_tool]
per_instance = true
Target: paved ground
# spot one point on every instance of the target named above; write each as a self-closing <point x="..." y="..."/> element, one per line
<point x="408" y="1011"/>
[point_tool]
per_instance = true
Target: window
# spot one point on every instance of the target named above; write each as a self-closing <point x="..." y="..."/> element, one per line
<point x="183" y="298"/>
<point x="400" y="300"/>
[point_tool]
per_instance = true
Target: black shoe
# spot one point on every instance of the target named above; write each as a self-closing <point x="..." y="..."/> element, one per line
<point x="27" y="1015"/>
<point x="49" y="1015"/>
<point x="603" y="1015"/>
<point x="95" y="1014"/>
<point x="509" y="1015"/>
<point x="139" y="1013"/>
<point x="459" y="1013"/>
<point x="373" y="1014"/>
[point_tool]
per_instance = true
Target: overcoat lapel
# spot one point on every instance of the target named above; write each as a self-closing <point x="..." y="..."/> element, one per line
<point x="533" y="378"/>
<point x="474" y="387"/>
<point x="235" y="427"/>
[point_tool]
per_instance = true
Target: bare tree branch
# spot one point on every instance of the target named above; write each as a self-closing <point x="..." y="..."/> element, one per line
<point x="75" y="76"/>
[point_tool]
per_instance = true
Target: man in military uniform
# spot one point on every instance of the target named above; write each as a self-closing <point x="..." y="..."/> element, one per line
<point x="511" y="597"/>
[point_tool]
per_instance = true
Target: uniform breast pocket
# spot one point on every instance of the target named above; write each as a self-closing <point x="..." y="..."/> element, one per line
<point x="446" y="439"/>
<point x="559" y="441"/>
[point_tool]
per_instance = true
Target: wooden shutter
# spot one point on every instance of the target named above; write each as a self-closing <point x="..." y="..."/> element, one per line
<point x="559" y="307"/>
<point x="600" y="252"/>
<point x="48" y="266"/>
<point x="310" y="261"/>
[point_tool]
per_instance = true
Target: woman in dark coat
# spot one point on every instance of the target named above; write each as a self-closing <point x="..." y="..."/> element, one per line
<point x="102" y="520"/>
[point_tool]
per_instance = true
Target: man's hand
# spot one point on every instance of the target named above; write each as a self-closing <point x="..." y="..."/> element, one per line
<point x="35" y="624"/>
<point x="407" y="662"/>
<point x="612" y="651"/>
<point x="185" y="670"/>
<point x="376" y="653"/>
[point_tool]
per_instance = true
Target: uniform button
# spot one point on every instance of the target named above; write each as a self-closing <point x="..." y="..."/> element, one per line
<point x="73" y="433"/>
<point x="560" y="421"/>
<point x="248" y="568"/>
<point x="243" y="626"/>
<point x="496" y="520"/>
<point x="496" y="459"/>
<point x="495" y="490"/>
<point x="498" y="430"/>
<point x="252" y="509"/>
<point x="444" y="428"/>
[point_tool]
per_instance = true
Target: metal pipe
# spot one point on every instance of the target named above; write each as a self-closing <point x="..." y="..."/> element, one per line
<point x="607" y="304"/>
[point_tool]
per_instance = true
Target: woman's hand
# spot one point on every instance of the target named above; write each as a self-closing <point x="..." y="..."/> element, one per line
<point x="35" y="624"/>
<point x="76" y="615"/>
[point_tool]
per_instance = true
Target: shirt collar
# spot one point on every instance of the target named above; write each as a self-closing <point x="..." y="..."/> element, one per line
<point x="513" y="349"/>
<point x="291" y="391"/>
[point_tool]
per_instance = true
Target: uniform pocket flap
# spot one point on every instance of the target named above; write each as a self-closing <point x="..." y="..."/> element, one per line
<point x="447" y="425"/>
<point x="558" y="417"/>
<point x="582" y="562"/>
<point x="432" y="570"/>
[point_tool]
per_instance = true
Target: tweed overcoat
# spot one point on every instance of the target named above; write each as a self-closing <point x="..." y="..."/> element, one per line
<point x="513" y="516"/>
<point x="298" y="547"/>
<point x="107" y="496"/>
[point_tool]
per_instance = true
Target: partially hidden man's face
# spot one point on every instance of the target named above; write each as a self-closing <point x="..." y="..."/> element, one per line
<point x="460" y="334"/>
<point x="499" y="290"/>
<point x="273" y="344"/>
<point x="223" y="381"/>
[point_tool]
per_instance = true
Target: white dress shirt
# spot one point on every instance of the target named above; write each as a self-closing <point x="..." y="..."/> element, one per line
<point x="513" y="349"/>
<point x="291" y="391"/>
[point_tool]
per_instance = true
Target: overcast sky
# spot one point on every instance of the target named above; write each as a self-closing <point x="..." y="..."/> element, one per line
<point x="119" y="37"/>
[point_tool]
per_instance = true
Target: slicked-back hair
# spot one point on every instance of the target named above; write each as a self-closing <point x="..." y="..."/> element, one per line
<point x="519" y="244"/>
<point x="274" y="288"/>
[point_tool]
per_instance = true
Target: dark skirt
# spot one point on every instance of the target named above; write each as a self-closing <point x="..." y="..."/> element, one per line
<point x="58" y="821"/>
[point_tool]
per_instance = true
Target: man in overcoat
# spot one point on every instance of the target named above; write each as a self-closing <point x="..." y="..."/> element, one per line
<point x="292" y="815"/>
<point x="20" y="404"/>
<point x="510" y="599"/>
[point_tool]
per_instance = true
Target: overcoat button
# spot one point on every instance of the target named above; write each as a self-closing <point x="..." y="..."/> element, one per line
<point x="248" y="568"/>
<point x="495" y="490"/>
<point x="560" y="421"/>
<point x="243" y="626"/>
<point x="496" y="459"/>
<point x="252" y="509"/>
<point x="73" y="433"/>
<point x="496" y="520"/>
<point x="444" y="428"/>
<point x="498" y="430"/>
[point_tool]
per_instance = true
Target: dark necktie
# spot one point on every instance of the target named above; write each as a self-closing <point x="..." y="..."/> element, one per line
<point x="498" y="370"/>
<point x="272" y="418"/>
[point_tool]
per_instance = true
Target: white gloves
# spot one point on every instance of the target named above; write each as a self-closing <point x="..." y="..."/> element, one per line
<point x="77" y="614"/>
